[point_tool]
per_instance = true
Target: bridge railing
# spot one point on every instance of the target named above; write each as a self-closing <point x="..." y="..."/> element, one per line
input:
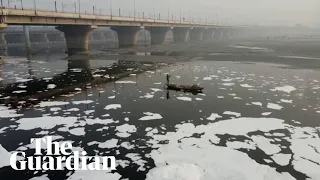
<point x="134" y="18"/>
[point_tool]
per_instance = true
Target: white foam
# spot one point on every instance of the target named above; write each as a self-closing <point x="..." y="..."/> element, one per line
<point x="227" y="79"/>
<point x="286" y="101"/>
<point x="218" y="162"/>
<point x="45" y="122"/>
<point x="266" y="113"/>
<point x="20" y="91"/>
<point x="184" y="98"/>
<point x="228" y="84"/>
<point x="111" y="97"/>
<point x="213" y="116"/>
<point x="198" y="99"/>
<point x="77" y="131"/>
<point x="150" y="116"/>
<point x="43" y="177"/>
<point x="94" y="175"/>
<point x="147" y="96"/>
<point x="98" y="121"/>
<point x="265" y="145"/>
<point x="112" y="106"/>
<point x="126" y="82"/>
<point x="87" y="112"/>
<point x="155" y="89"/>
<point x="232" y="113"/>
<point x="287" y="89"/>
<point x="281" y="159"/>
<point x="300" y="57"/>
<point x="125" y="130"/>
<point x="54" y="109"/>
<point x="182" y="171"/>
<point x="112" y="143"/>
<point x="274" y="106"/>
<point x="73" y="110"/>
<point x="52" y="103"/>
<point x="51" y="86"/>
<point x="257" y="103"/>
<point x="82" y="102"/>
<point x="8" y="113"/>
<point x="240" y="145"/>
<point x="246" y="85"/>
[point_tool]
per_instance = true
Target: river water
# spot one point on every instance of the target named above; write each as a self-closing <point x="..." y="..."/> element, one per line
<point x="254" y="120"/>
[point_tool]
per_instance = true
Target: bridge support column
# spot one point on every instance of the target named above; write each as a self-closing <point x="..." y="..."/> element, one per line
<point x="158" y="34"/>
<point x="180" y="34"/>
<point x="77" y="38"/>
<point x="196" y="34"/>
<point x="208" y="35"/>
<point x="127" y="36"/>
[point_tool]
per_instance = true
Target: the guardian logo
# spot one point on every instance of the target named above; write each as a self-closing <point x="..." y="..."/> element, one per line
<point x="59" y="156"/>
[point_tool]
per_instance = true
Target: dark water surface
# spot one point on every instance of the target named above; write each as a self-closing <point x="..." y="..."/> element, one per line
<point x="253" y="120"/>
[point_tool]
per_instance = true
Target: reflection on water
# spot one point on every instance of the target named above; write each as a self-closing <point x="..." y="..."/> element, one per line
<point x="23" y="88"/>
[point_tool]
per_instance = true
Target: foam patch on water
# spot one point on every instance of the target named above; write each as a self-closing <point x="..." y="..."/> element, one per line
<point x="77" y="131"/>
<point x="155" y="89"/>
<point x="125" y="130"/>
<point x="286" y="101"/>
<point x="126" y="82"/>
<point x="274" y="106"/>
<point x="45" y="122"/>
<point x="112" y="143"/>
<point x="94" y="175"/>
<point x="257" y="103"/>
<point x="300" y="57"/>
<point x="182" y="171"/>
<point x="51" y="86"/>
<point x="246" y="85"/>
<point x="43" y="177"/>
<point x="82" y="102"/>
<point x="53" y="103"/>
<point x="8" y="113"/>
<point x="282" y="159"/>
<point x="232" y="113"/>
<point x="218" y="162"/>
<point x="213" y="116"/>
<point x="113" y="106"/>
<point x="287" y="89"/>
<point x="150" y="116"/>
<point x="184" y="98"/>
<point x="266" y="113"/>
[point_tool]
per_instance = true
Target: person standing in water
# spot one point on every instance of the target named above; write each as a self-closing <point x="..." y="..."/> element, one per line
<point x="168" y="78"/>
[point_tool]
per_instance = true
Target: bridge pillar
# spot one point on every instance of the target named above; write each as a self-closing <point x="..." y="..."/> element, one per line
<point x="196" y="34"/>
<point x="77" y="38"/>
<point x="208" y="34"/>
<point x="158" y="34"/>
<point x="127" y="36"/>
<point x="180" y="34"/>
<point x="3" y="42"/>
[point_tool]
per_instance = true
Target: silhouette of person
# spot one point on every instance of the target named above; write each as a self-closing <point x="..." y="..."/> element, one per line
<point x="168" y="78"/>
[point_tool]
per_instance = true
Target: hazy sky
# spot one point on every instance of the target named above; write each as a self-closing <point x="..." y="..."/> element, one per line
<point x="261" y="12"/>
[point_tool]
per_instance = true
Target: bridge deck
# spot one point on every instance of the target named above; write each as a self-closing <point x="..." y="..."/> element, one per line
<point x="38" y="17"/>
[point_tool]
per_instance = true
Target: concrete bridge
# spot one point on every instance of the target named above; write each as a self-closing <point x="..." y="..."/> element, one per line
<point x="76" y="27"/>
